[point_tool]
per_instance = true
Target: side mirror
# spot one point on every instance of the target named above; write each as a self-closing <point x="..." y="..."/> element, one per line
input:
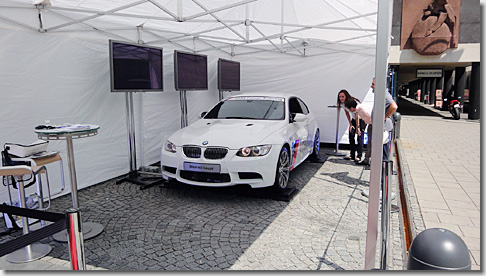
<point x="203" y="114"/>
<point x="292" y="117"/>
<point x="297" y="117"/>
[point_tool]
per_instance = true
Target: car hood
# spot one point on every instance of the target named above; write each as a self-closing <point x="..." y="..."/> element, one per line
<point x="231" y="133"/>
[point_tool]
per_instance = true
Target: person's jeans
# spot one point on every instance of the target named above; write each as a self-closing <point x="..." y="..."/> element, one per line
<point x="386" y="147"/>
<point x="356" y="150"/>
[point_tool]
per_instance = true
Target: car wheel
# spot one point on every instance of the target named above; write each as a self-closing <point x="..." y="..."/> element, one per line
<point x="317" y="146"/>
<point x="283" y="170"/>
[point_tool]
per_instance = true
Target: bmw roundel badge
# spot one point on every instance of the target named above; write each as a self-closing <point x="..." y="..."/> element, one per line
<point x="205" y="143"/>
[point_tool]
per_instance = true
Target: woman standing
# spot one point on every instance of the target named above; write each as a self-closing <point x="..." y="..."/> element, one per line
<point x="356" y="151"/>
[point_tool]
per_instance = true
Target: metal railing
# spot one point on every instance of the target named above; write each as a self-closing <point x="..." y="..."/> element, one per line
<point x="385" y="211"/>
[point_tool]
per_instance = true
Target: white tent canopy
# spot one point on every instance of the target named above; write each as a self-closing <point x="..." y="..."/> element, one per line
<point x="288" y="26"/>
<point x="55" y="66"/>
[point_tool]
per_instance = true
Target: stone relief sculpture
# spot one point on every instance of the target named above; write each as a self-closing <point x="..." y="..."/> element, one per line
<point x="436" y="28"/>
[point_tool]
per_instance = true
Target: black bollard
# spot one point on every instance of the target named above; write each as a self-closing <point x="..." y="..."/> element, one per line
<point x="397" y="117"/>
<point x="438" y="249"/>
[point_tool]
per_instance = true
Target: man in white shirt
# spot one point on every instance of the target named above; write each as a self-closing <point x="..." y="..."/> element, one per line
<point x="390" y="108"/>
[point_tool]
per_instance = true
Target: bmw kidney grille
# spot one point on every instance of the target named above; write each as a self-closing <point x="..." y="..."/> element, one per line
<point x="215" y="153"/>
<point x="209" y="153"/>
<point x="192" y="152"/>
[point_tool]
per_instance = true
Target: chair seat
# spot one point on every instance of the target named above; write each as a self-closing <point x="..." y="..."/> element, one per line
<point x="38" y="160"/>
<point x="19" y="170"/>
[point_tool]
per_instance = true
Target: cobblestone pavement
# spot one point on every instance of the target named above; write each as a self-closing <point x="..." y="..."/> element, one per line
<point x="323" y="228"/>
<point x="182" y="228"/>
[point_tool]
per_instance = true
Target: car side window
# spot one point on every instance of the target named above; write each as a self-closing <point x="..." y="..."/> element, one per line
<point x="305" y="110"/>
<point x="294" y="106"/>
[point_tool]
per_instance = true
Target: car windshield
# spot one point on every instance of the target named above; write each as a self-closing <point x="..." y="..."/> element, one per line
<point x="254" y="108"/>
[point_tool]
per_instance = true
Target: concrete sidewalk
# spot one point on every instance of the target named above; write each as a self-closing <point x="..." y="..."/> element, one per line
<point x="442" y="166"/>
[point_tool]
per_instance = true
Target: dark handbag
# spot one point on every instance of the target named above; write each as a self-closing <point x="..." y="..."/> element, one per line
<point x="7" y="161"/>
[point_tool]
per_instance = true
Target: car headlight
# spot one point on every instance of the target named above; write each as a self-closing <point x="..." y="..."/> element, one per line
<point x="169" y="146"/>
<point x="254" y="151"/>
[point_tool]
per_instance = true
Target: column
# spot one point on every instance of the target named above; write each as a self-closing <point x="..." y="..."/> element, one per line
<point x="474" y="111"/>
<point x="427" y="88"/>
<point x="440" y="85"/>
<point x="433" y="83"/>
<point x="460" y="84"/>
<point x="415" y="88"/>
<point x="423" y="86"/>
<point x="446" y="94"/>
<point x="394" y="83"/>
<point x="410" y="89"/>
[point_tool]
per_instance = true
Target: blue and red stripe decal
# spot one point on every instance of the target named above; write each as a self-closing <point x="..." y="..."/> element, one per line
<point x="295" y="147"/>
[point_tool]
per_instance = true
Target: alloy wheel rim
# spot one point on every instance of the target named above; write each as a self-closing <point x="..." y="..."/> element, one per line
<point x="317" y="144"/>
<point x="284" y="169"/>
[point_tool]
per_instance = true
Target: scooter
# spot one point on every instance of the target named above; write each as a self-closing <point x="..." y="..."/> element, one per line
<point x="455" y="109"/>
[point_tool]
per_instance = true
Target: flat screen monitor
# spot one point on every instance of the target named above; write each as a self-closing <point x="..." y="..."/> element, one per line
<point x="190" y="71"/>
<point x="135" y="67"/>
<point x="228" y="75"/>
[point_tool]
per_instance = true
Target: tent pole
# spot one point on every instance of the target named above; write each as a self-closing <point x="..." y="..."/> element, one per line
<point x="183" y="100"/>
<point x="381" y="69"/>
<point x="132" y="152"/>
<point x="336" y="152"/>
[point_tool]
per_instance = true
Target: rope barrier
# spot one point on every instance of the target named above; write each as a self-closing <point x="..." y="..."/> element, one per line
<point x="29" y="238"/>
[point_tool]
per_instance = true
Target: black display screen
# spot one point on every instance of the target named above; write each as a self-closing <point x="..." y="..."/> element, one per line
<point x="228" y="75"/>
<point x="135" y="67"/>
<point x="190" y="71"/>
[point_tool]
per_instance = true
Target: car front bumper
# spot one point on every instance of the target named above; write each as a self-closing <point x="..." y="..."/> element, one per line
<point x="258" y="172"/>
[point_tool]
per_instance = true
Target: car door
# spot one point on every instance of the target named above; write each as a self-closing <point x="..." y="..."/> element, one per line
<point x="299" y="129"/>
<point x="309" y="128"/>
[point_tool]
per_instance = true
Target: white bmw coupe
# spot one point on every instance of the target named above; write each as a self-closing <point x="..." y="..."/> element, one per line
<point x="252" y="139"/>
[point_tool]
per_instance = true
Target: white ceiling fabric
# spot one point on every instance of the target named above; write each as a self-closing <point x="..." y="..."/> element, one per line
<point x="281" y="24"/>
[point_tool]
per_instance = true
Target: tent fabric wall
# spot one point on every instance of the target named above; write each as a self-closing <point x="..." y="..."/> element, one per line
<point x="64" y="78"/>
<point x="65" y="81"/>
<point x="317" y="80"/>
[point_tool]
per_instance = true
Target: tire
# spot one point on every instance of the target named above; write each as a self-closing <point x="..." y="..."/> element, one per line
<point x="457" y="114"/>
<point x="283" y="170"/>
<point x="316" y="146"/>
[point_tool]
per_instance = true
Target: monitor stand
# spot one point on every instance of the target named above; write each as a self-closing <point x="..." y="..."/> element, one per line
<point x="142" y="179"/>
<point x="134" y="176"/>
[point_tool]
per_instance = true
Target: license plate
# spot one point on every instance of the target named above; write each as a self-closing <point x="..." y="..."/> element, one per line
<point x="198" y="167"/>
<point x="456" y="106"/>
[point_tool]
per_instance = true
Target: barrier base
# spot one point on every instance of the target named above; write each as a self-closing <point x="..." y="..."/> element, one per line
<point x="90" y="230"/>
<point x="29" y="253"/>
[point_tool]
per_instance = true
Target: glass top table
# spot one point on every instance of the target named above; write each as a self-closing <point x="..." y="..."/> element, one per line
<point x="69" y="132"/>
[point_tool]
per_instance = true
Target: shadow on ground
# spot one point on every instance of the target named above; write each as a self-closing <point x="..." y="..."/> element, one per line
<point x="408" y="108"/>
